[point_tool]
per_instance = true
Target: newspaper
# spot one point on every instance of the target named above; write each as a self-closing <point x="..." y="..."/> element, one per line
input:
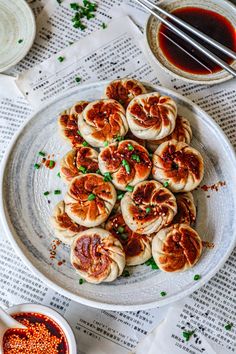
<point x="205" y="312"/>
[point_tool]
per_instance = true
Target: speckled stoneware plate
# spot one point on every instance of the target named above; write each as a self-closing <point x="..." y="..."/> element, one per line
<point x="17" y="32"/>
<point x="225" y="8"/>
<point x="25" y="211"/>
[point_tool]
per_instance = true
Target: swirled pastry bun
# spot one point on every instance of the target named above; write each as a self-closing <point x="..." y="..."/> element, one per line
<point x="186" y="213"/>
<point x="65" y="229"/>
<point x="151" y="116"/>
<point x="179" y="164"/>
<point x="124" y="90"/>
<point x="102" y="121"/>
<point x="137" y="247"/>
<point x="68" y="124"/>
<point x="182" y="132"/>
<point x="77" y="162"/>
<point x="89" y="199"/>
<point x="97" y="256"/>
<point x="126" y="162"/>
<point x="148" y="208"/>
<point x="176" y="248"/>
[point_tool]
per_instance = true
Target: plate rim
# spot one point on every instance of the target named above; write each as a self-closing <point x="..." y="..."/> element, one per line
<point x="32" y="36"/>
<point x="82" y="299"/>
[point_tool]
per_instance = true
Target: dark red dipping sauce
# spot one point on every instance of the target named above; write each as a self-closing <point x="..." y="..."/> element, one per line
<point x="183" y="55"/>
<point x="42" y="336"/>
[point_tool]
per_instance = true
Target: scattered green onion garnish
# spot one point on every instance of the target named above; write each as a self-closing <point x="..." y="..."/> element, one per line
<point x="148" y="210"/>
<point x="121" y="229"/>
<point x="129" y="188"/>
<point x="41" y="153"/>
<point x="59" y="175"/>
<point x="107" y="177"/>
<point x="83" y="169"/>
<point x="126" y="166"/>
<point x="105" y="143"/>
<point x="120" y="195"/>
<point x="104" y="25"/>
<point x="20" y="41"/>
<point x="98" y="171"/>
<point x="163" y="293"/>
<point x="135" y="157"/>
<point x="228" y="326"/>
<point x="91" y="197"/>
<point x="61" y="59"/>
<point x="119" y="138"/>
<point x="165" y="184"/>
<point x="46" y="193"/>
<point x="150" y="154"/>
<point x="123" y="236"/>
<point x="196" y="277"/>
<point x="78" y="79"/>
<point x="125" y="273"/>
<point x="85" y="143"/>
<point x="57" y="191"/>
<point x="188" y="335"/>
<point x="130" y="147"/>
<point x="36" y="166"/>
<point x="78" y="132"/>
<point x="74" y="6"/>
<point x="51" y="163"/>
<point x="152" y="263"/>
<point x="81" y="281"/>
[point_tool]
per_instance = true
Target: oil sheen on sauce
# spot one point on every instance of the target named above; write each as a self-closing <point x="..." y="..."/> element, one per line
<point x="183" y="55"/>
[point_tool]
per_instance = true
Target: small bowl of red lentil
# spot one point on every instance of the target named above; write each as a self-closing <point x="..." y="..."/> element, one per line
<point x="47" y="332"/>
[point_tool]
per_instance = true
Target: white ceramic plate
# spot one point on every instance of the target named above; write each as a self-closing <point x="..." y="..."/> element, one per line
<point x="17" y="32"/>
<point x="225" y="8"/>
<point x="25" y="211"/>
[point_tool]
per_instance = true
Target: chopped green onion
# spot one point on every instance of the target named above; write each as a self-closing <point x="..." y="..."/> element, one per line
<point x="121" y="229"/>
<point x="152" y="263"/>
<point x="107" y="177"/>
<point x="41" y="153"/>
<point x="120" y="195"/>
<point x="188" y="335"/>
<point x="98" y="171"/>
<point x="81" y="281"/>
<point x="119" y="138"/>
<point x="105" y="143"/>
<point x="83" y="169"/>
<point x="123" y="236"/>
<point x="78" y="132"/>
<point x="150" y="154"/>
<point x="165" y="184"/>
<point x="20" y="41"/>
<point x="46" y="193"/>
<point x="104" y="25"/>
<point x="130" y="147"/>
<point x="125" y="273"/>
<point x="91" y="197"/>
<point x="77" y="79"/>
<point x="228" y="326"/>
<point x="135" y="157"/>
<point x="61" y="59"/>
<point x="36" y="166"/>
<point x="85" y="143"/>
<point x="51" y="163"/>
<point x="57" y="191"/>
<point x="74" y="6"/>
<point x="163" y="293"/>
<point x="196" y="277"/>
<point x="148" y="210"/>
<point x="129" y="188"/>
<point x="59" y="175"/>
<point x="126" y="166"/>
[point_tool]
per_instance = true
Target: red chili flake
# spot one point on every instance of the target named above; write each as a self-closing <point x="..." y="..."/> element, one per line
<point x="208" y="244"/>
<point x="59" y="263"/>
<point x="44" y="160"/>
<point x="213" y="187"/>
<point x="50" y="164"/>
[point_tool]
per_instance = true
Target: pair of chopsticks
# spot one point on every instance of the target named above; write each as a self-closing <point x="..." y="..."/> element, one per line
<point x="193" y="30"/>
